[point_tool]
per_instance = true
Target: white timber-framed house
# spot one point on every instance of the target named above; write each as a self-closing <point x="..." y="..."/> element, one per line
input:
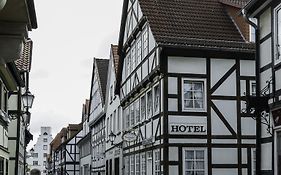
<point x="113" y="124"/>
<point x="184" y="68"/>
<point x="84" y="144"/>
<point x="66" y="155"/>
<point x="268" y="40"/>
<point x="97" y="113"/>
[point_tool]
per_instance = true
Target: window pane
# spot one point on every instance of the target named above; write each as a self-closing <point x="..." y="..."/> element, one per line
<point x="189" y="165"/>
<point x="188" y="104"/>
<point x="198" y="103"/>
<point x="189" y="154"/>
<point x="200" y="165"/>
<point x="200" y="173"/>
<point x="200" y="154"/>
<point x="189" y="173"/>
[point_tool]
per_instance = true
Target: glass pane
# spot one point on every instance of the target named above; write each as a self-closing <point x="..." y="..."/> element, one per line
<point x="198" y="95"/>
<point x="188" y="95"/>
<point x="200" y="154"/>
<point x="189" y="165"/>
<point x="200" y="165"/>
<point x="198" y="103"/>
<point x="187" y="86"/>
<point x="200" y="173"/>
<point x="188" y="104"/>
<point x="198" y="86"/>
<point x="189" y="154"/>
<point x="278" y="31"/>
<point x="189" y="173"/>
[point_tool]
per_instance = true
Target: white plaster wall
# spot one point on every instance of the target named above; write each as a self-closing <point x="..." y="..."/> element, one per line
<point x="218" y="68"/>
<point x="173" y="169"/>
<point x="173" y="154"/>
<point x="187" y="65"/>
<point x="172" y="85"/>
<point x="172" y="104"/>
<point x="224" y="156"/>
<point x="278" y="79"/>
<point x="228" y="171"/>
<point x="265" y="23"/>
<point x="247" y="68"/>
<point x="264" y="77"/>
<point x="228" y="109"/>
<point x="228" y="87"/>
<point x="265" y="53"/>
<point x="266" y="156"/>
<point x="248" y="126"/>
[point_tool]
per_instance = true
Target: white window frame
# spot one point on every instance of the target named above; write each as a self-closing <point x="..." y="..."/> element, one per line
<point x="145" y="42"/>
<point x="143" y="118"/>
<point x="204" y="96"/>
<point x="196" y="149"/>
<point x="148" y="116"/>
<point x="157" y="163"/>
<point x="252" y="92"/>
<point x="277" y="56"/>
<point x="252" y="31"/>
<point x="156" y="111"/>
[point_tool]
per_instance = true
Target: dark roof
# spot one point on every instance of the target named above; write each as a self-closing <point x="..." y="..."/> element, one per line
<point x="102" y="68"/>
<point x="194" y="24"/>
<point x="235" y="3"/>
<point x="24" y="62"/>
<point x="115" y="55"/>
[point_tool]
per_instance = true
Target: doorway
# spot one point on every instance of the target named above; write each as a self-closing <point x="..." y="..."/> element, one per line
<point x="116" y="166"/>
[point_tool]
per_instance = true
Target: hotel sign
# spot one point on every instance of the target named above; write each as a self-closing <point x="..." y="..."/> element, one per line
<point x="188" y="128"/>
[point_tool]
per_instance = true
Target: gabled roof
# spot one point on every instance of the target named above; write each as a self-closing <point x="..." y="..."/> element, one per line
<point x="199" y="24"/>
<point x="102" y="68"/>
<point x="23" y="64"/>
<point x="115" y="55"/>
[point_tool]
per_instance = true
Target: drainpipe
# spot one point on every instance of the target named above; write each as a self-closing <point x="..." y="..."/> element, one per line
<point x="257" y="112"/>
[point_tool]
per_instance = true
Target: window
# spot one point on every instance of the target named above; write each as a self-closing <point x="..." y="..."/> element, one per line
<point x="111" y="93"/>
<point x="132" y="113"/>
<point x="143" y="164"/>
<point x="44" y="163"/>
<point x="157" y="167"/>
<point x="139" y="45"/>
<point x="137" y="110"/>
<point x="45" y="155"/>
<point x="145" y="42"/>
<point x="252" y="30"/>
<point x="127" y="165"/>
<point x="132" y="164"/>
<point x="143" y="108"/>
<point x="253" y="89"/>
<point x="118" y="118"/>
<point x="35" y="155"/>
<point x="1" y="166"/>
<point x="45" y="140"/>
<point x="156" y="99"/>
<point x="149" y="104"/>
<point x="137" y="164"/>
<point x="195" y="161"/>
<point x="45" y="147"/>
<point x="35" y="162"/>
<point x="129" y="64"/>
<point x="277" y="14"/>
<point x="193" y="94"/>
<point x="127" y="117"/>
<point x="114" y="121"/>
<point x="133" y="57"/>
<point x="107" y="124"/>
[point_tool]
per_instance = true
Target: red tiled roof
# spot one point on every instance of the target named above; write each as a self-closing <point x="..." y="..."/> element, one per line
<point x="114" y="49"/>
<point x="194" y="24"/>
<point x="24" y="62"/>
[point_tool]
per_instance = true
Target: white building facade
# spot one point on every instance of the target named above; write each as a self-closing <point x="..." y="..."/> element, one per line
<point x="184" y="67"/>
<point x="113" y="124"/>
<point x="37" y="156"/>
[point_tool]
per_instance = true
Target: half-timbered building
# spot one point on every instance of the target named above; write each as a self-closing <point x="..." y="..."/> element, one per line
<point x="184" y="66"/>
<point x="97" y="114"/>
<point x="113" y="150"/>
<point x="84" y="144"/>
<point x="66" y="156"/>
<point x="268" y="40"/>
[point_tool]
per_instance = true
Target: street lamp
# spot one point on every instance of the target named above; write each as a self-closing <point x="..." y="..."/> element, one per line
<point x="27" y="99"/>
<point x="112" y="137"/>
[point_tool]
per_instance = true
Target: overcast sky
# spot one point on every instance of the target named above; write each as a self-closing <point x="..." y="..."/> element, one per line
<point x="70" y="33"/>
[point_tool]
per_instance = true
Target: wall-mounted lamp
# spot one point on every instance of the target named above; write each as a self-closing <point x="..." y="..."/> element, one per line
<point x="27" y="99"/>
